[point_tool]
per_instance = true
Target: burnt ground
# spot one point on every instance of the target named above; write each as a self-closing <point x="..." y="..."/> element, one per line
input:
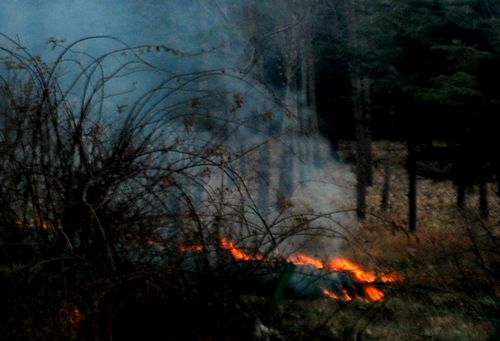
<point x="451" y="266"/>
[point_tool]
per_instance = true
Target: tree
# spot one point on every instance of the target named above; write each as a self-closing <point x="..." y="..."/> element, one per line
<point x="361" y="99"/>
<point x="429" y="63"/>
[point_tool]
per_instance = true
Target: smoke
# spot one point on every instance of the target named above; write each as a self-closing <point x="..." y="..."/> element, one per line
<point x="250" y="104"/>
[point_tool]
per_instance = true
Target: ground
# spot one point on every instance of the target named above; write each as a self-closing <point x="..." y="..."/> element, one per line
<point x="450" y="266"/>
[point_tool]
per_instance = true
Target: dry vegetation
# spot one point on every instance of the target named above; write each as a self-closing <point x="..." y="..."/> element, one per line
<point x="92" y="254"/>
<point x="447" y="241"/>
<point x="451" y="270"/>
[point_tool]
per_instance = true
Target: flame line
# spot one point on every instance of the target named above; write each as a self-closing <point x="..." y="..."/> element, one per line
<point x="367" y="279"/>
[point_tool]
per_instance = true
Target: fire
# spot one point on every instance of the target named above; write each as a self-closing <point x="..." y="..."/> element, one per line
<point x="342" y="264"/>
<point x="373" y="293"/>
<point x="347" y="297"/>
<point x="366" y="279"/>
<point x="190" y="248"/>
<point x="237" y="253"/>
<point x="359" y="274"/>
<point x="391" y="278"/>
<point x="329" y="294"/>
<point x="302" y="259"/>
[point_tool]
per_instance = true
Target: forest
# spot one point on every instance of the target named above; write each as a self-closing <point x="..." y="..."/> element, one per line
<point x="250" y="170"/>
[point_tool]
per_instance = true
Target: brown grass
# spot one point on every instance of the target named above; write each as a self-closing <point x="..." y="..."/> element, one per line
<point x="450" y="265"/>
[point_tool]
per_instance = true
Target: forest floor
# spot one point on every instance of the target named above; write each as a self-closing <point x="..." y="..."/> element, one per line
<point x="450" y="266"/>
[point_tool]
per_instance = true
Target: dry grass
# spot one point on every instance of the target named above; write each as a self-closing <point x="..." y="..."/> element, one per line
<point x="451" y="289"/>
<point x="443" y="231"/>
<point x="404" y="315"/>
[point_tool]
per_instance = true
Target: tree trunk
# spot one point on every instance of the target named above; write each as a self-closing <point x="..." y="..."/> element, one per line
<point x="483" y="195"/>
<point x="360" y="159"/>
<point x="498" y="180"/>
<point x="360" y="195"/>
<point x="461" y="193"/>
<point x="312" y="127"/>
<point x="412" y="186"/>
<point x="367" y="135"/>
<point x="264" y="179"/>
<point x="361" y="103"/>
<point x="286" y="175"/>
<point x="384" y="205"/>
<point x="462" y="175"/>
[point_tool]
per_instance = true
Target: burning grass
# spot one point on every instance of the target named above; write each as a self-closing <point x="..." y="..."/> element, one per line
<point x="363" y="286"/>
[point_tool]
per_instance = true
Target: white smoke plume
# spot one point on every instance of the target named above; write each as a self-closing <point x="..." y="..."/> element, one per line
<point x="294" y="193"/>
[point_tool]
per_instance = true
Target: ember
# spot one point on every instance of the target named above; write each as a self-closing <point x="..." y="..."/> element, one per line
<point x="190" y="248"/>
<point x="73" y="316"/>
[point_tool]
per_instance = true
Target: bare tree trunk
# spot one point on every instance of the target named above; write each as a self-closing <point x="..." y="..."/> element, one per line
<point x="367" y="136"/>
<point x="361" y="101"/>
<point x="360" y="196"/>
<point x="498" y="178"/>
<point x="483" y="195"/>
<point x="303" y="143"/>
<point x="464" y="173"/>
<point x="291" y="44"/>
<point x="412" y="186"/>
<point x="384" y="205"/>
<point x="264" y="179"/>
<point x="461" y="193"/>
<point x="360" y="169"/>
<point x="309" y="66"/>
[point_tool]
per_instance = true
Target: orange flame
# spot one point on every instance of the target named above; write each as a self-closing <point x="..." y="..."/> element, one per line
<point x="359" y="274"/>
<point x="391" y="278"/>
<point x="342" y="264"/>
<point x="347" y="297"/>
<point x="373" y="293"/>
<point x="302" y="259"/>
<point x="330" y="294"/>
<point x="190" y="248"/>
<point x="237" y="253"/>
